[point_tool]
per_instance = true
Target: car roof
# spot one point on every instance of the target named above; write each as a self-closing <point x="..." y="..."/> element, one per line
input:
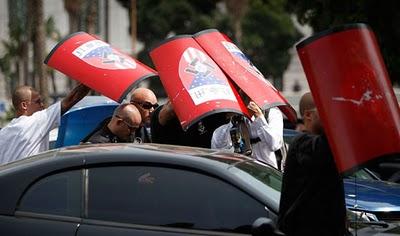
<point x="16" y="177"/>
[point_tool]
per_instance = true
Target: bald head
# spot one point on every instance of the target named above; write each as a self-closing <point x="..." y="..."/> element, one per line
<point x="146" y="102"/>
<point x="306" y="103"/>
<point x="128" y="111"/>
<point x="26" y="101"/>
<point x="21" y="93"/>
<point x="126" y="119"/>
<point x="143" y="94"/>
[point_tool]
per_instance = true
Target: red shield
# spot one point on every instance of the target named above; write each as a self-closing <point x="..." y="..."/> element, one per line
<point x="99" y="66"/>
<point x="194" y="83"/>
<point x="244" y="74"/>
<point x="353" y="94"/>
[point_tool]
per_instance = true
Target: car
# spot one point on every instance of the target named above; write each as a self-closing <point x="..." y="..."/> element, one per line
<point x="131" y="189"/>
<point x="363" y="197"/>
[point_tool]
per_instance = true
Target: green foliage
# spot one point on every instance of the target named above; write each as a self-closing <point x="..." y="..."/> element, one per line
<point x="382" y="16"/>
<point x="268" y="32"/>
<point x="268" y="35"/>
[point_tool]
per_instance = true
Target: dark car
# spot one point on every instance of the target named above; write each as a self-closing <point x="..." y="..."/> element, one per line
<point x="127" y="189"/>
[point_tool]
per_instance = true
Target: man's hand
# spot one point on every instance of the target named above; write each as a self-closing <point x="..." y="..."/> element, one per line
<point x="73" y="97"/>
<point x="256" y="110"/>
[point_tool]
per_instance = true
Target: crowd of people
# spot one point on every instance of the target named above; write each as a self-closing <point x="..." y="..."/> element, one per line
<point x="310" y="174"/>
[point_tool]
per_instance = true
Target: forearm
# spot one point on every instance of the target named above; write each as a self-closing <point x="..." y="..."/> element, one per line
<point x="73" y="97"/>
<point x="271" y="132"/>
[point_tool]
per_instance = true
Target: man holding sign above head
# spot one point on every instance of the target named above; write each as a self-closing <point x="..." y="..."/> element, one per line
<point x="265" y="133"/>
<point x="28" y="133"/>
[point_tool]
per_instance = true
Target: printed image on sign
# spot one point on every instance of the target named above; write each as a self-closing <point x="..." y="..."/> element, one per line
<point x="241" y="58"/>
<point x="101" y="55"/>
<point x="202" y="77"/>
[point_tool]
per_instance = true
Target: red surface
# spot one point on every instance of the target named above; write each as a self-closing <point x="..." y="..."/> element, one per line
<point x="242" y="72"/>
<point x="356" y="102"/>
<point x="106" y="70"/>
<point x="195" y="85"/>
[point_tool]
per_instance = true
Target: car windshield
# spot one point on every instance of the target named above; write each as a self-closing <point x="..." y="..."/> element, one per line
<point x="265" y="179"/>
<point x="362" y="174"/>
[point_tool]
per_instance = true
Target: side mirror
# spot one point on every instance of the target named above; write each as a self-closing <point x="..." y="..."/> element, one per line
<point x="264" y="227"/>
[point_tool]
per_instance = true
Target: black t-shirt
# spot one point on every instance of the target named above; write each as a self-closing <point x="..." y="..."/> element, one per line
<point x="312" y="198"/>
<point x="198" y="135"/>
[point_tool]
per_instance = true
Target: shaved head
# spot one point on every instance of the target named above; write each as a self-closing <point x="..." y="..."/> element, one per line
<point x="128" y="112"/>
<point x="143" y="95"/>
<point x="306" y="103"/>
<point x="21" y="93"/>
<point x="146" y="102"/>
<point x="26" y="101"/>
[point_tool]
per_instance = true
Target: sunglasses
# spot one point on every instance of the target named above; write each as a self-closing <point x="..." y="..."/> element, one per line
<point x="38" y="101"/>
<point x="146" y="105"/>
<point x="130" y="127"/>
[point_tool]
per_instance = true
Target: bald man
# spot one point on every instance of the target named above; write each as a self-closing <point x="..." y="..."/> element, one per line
<point x="311" y="185"/>
<point x="146" y="101"/>
<point x="121" y="128"/>
<point x="28" y="133"/>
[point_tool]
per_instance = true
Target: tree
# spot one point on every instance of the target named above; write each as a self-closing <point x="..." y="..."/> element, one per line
<point x="268" y="34"/>
<point x="382" y="16"/>
<point x="237" y="9"/>
<point x="39" y="47"/>
<point x="268" y="31"/>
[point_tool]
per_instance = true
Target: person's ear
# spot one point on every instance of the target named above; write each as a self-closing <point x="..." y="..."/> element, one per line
<point x="24" y="106"/>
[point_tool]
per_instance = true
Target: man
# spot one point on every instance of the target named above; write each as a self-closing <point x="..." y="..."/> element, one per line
<point x="166" y="128"/>
<point x="312" y="197"/>
<point x="266" y="135"/>
<point x="28" y="133"/>
<point x="121" y="128"/>
<point x="146" y="101"/>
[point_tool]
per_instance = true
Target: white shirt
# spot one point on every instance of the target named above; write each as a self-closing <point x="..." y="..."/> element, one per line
<point x="270" y="134"/>
<point x="28" y="135"/>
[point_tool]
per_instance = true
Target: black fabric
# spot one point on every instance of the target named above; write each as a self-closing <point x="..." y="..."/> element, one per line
<point x="95" y="130"/>
<point x="255" y="140"/>
<point x="143" y="134"/>
<point x="312" y="198"/>
<point x="104" y="135"/>
<point x="198" y="135"/>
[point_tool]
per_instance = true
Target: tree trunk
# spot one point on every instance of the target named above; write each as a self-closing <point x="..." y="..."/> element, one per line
<point x="133" y="27"/>
<point x="91" y="17"/>
<point x="39" y="42"/>
<point x="237" y="9"/>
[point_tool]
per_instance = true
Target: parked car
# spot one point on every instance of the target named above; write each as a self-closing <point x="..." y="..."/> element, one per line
<point x="127" y="189"/>
<point x="368" y="200"/>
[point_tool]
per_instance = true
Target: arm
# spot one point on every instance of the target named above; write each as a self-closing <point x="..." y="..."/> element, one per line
<point x="221" y="138"/>
<point x="271" y="132"/>
<point x="166" y="113"/>
<point x="73" y="97"/>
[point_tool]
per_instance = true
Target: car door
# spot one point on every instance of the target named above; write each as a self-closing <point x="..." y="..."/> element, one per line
<point x="50" y="206"/>
<point x="163" y="200"/>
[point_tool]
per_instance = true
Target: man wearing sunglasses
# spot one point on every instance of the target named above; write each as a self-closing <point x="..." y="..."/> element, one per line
<point x="146" y="102"/>
<point x="28" y="133"/>
<point x="121" y="128"/>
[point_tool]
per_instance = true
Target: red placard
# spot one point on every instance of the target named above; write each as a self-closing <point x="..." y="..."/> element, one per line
<point x="243" y="73"/>
<point x="99" y="66"/>
<point x="354" y="97"/>
<point x="195" y="85"/>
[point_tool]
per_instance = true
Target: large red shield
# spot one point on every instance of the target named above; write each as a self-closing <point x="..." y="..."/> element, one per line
<point x="99" y="66"/>
<point x="353" y="94"/>
<point x="244" y="74"/>
<point x="195" y="85"/>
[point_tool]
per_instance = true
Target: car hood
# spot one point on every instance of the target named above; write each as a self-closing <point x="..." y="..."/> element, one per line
<point x="372" y="195"/>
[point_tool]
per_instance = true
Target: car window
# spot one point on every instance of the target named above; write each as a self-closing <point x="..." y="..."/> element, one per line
<point x="58" y="194"/>
<point x="169" y="197"/>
